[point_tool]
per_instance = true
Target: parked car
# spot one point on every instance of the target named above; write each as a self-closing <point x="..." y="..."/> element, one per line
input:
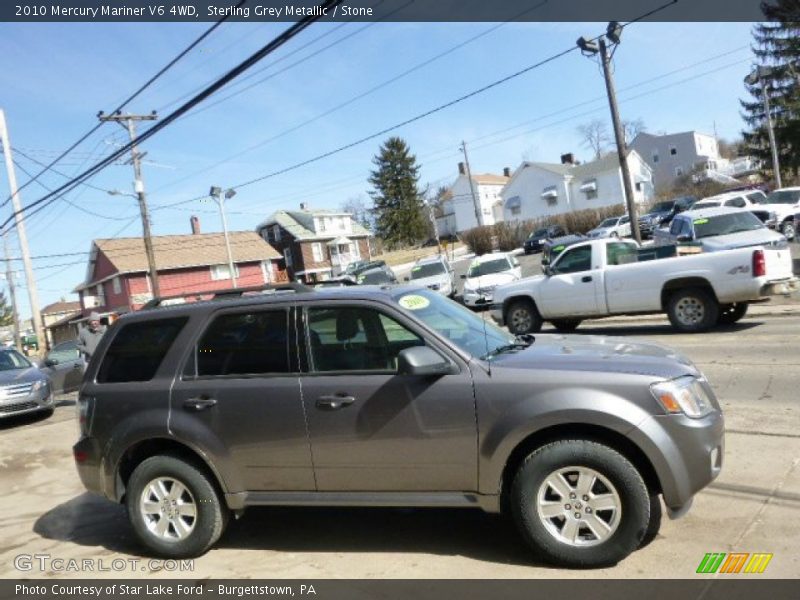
<point x="23" y="387"/>
<point x="434" y="273"/>
<point x="785" y="202"/>
<point x="663" y="212"/>
<point x="732" y="200"/>
<point x="599" y="278"/>
<point x="535" y="240"/>
<point x="356" y="268"/>
<point x="390" y="397"/>
<point x="487" y="272"/>
<point x="377" y="276"/>
<point x="714" y="229"/>
<point x="343" y="281"/>
<point x="616" y="227"/>
<point x="64" y="365"/>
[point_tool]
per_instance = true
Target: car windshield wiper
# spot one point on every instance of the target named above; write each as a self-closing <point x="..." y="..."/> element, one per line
<point x="520" y="343"/>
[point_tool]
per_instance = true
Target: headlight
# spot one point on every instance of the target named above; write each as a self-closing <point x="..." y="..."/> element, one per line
<point x="685" y="395"/>
<point x="37" y="385"/>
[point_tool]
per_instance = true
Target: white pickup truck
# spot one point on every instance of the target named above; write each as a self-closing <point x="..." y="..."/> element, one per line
<point x="599" y="278"/>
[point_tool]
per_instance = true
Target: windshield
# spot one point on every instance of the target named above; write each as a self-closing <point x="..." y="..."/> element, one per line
<point x="726" y="224"/>
<point x="783" y="197"/>
<point x="457" y="323"/>
<point x="11" y="359"/>
<point x="663" y="206"/>
<point x="490" y="266"/>
<point x="427" y="270"/>
<point x="609" y="222"/>
<point x="374" y="278"/>
<point x="704" y="204"/>
<point x="539" y="233"/>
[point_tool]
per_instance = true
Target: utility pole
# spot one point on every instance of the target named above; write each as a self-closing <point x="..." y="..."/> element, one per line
<point x="12" y="294"/>
<point x="590" y="47"/>
<point x="471" y="186"/>
<point x="432" y="217"/>
<point x="216" y="194"/>
<point x="136" y="157"/>
<point x="33" y="295"/>
<point x="759" y="76"/>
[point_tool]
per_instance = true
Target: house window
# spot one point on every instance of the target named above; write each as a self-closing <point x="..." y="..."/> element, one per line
<point x="515" y="210"/>
<point x="101" y="296"/>
<point x="678" y="171"/>
<point x="589" y="187"/>
<point x="266" y="270"/>
<point x="673" y="151"/>
<point x="116" y="285"/>
<point x="342" y="224"/>
<point x="550" y="194"/>
<point x="655" y="156"/>
<point x="316" y="250"/>
<point x="219" y="272"/>
<point x="322" y="224"/>
<point x="276" y="232"/>
<point x="287" y="255"/>
<point x="638" y="186"/>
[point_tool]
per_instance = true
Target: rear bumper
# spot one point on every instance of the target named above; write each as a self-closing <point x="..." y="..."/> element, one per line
<point x="781" y="288"/>
<point x="88" y="461"/>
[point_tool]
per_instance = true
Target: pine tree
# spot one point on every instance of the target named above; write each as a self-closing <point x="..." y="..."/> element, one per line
<point x="400" y="217"/>
<point x="6" y="311"/>
<point x="777" y="46"/>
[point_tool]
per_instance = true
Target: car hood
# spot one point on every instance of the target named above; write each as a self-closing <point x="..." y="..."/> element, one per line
<point x="433" y="279"/>
<point x="492" y="280"/>
<point x="16" y="376"/>
<point x="598" y="353"/>
<point x="742" y="239"/>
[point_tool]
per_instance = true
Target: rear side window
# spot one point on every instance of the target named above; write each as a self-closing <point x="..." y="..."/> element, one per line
<point x="252" y="343"/>
<point x="137" y="350"/>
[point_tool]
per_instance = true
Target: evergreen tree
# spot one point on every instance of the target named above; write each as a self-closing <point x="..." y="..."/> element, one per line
<point x="777" y="46"/>
<point x="6" y="311"/>
<point x="400" y="217"/>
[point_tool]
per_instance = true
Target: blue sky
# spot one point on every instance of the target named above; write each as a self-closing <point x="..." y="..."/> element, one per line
<point x="55" y="77"/>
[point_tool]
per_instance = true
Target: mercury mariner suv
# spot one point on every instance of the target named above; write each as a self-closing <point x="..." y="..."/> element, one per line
<point x="394" y="396"/>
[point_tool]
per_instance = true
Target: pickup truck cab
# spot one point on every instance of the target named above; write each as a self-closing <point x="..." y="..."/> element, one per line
<point x="599" y="278"/>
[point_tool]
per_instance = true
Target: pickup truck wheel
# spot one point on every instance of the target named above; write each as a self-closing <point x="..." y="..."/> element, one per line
<point x="566" y="324"/>
<point x="788" y="229"/>
<point x="580" y="504"/>
<point x="522" y="317"/>
<point x="731" y="313"/>
<point x="174" y="509"/>
<point x="692" y="310"/>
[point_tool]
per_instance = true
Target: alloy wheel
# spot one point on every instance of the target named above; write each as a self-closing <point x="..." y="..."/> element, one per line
<point x="168" y="509"/>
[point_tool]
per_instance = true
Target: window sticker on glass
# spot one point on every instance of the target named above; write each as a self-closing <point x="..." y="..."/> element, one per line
<point x="700" y="221"/>
<point x="414" y="302"/>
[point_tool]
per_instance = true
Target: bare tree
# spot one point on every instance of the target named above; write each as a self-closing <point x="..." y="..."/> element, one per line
<point x="632" y="129"/>
<point x="595" y="136"/>
<point x="357" y="207"/>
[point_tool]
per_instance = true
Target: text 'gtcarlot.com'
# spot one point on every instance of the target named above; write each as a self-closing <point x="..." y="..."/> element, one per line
<point x="47" y="563"/>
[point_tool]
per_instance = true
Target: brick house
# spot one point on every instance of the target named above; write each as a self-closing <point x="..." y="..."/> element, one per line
<point x="316" y="244"/>
<point x="58" y="320"/>
<point x="117" y="278"/>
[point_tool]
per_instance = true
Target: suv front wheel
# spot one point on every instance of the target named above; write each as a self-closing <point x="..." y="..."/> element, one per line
<point x="580" y="504"/>
<point x="173" y="508"/>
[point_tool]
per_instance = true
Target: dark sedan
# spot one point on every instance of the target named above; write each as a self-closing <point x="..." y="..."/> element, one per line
<point x="536" y="239"/>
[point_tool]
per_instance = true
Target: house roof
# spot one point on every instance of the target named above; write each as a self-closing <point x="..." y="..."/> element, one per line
<point x="300" y="224"/>
<point x="490" y="178"/>
<point x="180" y="251"/>
<point x="61" y="307"/>
<point x="64" y="320"/>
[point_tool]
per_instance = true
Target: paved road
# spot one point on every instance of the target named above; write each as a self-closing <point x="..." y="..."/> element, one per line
<point x="753" y="507"/>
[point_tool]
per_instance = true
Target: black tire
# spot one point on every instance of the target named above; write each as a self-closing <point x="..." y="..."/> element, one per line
<point x="789" y="230"/>
<point x="692" y="310"/>
<point x="211" y="516"/>
<point x="634" y="501"/>
<point x="654" y="526"/>
<point x="731" y="313"/>
<point x="566" y="325"/>
<point x="522" y="317"/>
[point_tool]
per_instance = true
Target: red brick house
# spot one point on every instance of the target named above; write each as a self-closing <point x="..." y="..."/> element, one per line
<point x="316" y="244"/>
<point x="118" y="280"/>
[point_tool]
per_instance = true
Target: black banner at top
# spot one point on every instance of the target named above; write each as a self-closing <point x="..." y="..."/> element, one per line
<point x="378" y="10"/>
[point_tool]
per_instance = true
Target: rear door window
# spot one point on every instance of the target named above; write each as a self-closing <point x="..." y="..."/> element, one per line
<point x="138" y="349"/>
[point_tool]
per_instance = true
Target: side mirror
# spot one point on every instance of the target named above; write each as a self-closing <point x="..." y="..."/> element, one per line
<point x="422" y="361"/>
<point x="547" y="270"/>
<point x="50" y="362"/>
<point x="463" y="276"/>
<point x="684" y="237"/>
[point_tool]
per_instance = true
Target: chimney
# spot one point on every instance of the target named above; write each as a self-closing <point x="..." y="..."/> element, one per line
<point x="304" y="206"/>
<point x="195" y="223"/>
<point x="568" y="159"/>
<point x="506" y="171"/>
<point x="461" y="169"/>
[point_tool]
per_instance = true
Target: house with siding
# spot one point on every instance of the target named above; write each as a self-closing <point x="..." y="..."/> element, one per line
<point x="118" y="281"/>
<point x="59" y="319"/>
<point x="538" y="190"/>
<point x="458" y="209"/>
<point x="671" y="156"/>
<point x="315" y="244"/>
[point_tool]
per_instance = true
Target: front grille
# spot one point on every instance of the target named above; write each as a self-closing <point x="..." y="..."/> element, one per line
<point x="11" y="408"/>
<point x="18" y="390"/>
<point x="485" y="291"/>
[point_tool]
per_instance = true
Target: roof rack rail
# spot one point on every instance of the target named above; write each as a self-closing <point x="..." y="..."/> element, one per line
<point x="292" y="286"/>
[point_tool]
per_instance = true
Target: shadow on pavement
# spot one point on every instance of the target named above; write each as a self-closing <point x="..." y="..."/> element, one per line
<point x="89" y="520"/>
<point x="651" y="329"/>
<point x="13" y="421"/>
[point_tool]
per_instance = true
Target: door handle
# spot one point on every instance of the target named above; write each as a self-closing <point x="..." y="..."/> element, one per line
<point x="334" y="401"/>
<point x="586" y="278"/>
<point x="201" y="403"/>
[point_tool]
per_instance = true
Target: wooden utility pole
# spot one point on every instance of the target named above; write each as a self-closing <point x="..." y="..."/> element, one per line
<point x="471" y="186"/>
<point x="12" y="294"/>
<point x="33" y="295"/>
<point x="127" y="121"/>
<point x="619" y="135"/>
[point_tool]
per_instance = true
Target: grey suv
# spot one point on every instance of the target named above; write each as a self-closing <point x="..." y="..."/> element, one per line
<point x="366" y="396"/>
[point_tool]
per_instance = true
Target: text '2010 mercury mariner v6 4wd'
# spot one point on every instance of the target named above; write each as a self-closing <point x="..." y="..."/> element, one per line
<point x="367" y="396"/>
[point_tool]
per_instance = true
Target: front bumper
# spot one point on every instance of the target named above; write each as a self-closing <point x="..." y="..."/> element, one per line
<point x="32" y="402"/>
<point x="477" y="298"/>
<point x="687" y="454"/>
<point x="781" y="288"/>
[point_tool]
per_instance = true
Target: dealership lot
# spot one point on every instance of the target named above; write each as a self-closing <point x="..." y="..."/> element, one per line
<point x="752" y="507"/>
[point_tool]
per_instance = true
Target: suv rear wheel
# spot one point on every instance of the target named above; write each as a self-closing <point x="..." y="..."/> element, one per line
<point x="692" y="310"/>
<point x="580" y="504"/>
<point x="173" y="508"/>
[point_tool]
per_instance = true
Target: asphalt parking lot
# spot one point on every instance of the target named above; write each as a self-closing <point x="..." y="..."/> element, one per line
<point x="754" y="506"/>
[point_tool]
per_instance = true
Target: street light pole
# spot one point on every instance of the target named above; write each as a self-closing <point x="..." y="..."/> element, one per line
<point x="759" y="76"/>
<point x="216" y="194"/>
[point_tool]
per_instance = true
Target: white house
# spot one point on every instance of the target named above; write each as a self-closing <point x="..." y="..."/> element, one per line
<point x="459" y="209"/>
<point x="538" y="190"/>
<point x="674" y="155"/>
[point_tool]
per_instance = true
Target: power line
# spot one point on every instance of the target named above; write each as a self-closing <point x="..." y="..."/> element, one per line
<point x="142" y="88"/>
<point x="270" y="47"/>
